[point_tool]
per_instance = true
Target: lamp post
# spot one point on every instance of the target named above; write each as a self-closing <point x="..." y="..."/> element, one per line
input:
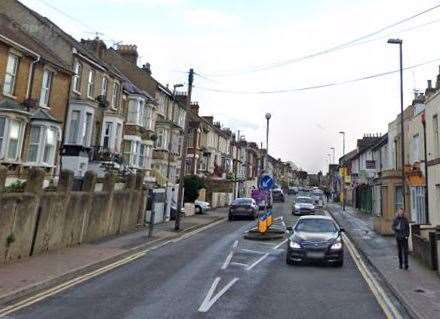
<point x="343" y="175"/>
<point x="268" y="116"/>
<point x="333" y="150"/>
<point x="402" y="133"/>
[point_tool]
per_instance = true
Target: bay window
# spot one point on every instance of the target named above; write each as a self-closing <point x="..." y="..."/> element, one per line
<point x="42" y="144"/>
<point x="80" y="124"/>
<point x="11" y="74"/>
<point x="2" y="134"/>
<point x="111" y="134"/>
<point x="162" y="139"/>
<point x="136" y="154"/>
<point x="45" y="88"/>
<point x="77" y="68"/>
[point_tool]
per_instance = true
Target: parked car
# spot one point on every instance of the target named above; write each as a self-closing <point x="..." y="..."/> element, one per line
<point x="201" y="207"/>
<point x="243" y="207"/>
<point x="318" y="197"/>
<point x="292" y="190"/>
<point x="303" y="205"/>
<point x="315" y="238"/>
<point x="278" y="195"/>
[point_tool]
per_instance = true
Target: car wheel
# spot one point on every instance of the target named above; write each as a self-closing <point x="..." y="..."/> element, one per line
<point x="198" y="210"/>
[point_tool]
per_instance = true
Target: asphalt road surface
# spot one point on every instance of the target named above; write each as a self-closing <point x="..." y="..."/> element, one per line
<point x="216" y="274"/>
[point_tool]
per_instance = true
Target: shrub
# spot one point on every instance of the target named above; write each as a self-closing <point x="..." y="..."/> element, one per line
<point x="192" y="184"/>
<point x="15" y="187"/>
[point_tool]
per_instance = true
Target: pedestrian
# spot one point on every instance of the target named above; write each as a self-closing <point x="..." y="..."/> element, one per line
<point x="401" y="231"/>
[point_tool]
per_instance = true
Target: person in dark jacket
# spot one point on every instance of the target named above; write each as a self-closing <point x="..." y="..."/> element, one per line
<point x="401" y="231"/>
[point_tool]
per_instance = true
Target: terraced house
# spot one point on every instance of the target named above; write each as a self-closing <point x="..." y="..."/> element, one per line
<point x="34" y="86"/>
<point x="94" y="119"/>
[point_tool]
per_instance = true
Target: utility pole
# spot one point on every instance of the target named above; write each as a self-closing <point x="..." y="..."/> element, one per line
<point x="184" y="151"/>
<point x="236" y="166"/>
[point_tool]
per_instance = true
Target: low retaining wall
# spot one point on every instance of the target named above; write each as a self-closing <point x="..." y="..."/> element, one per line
<point x="37" y="221"/>
<point x="425" y="247"/>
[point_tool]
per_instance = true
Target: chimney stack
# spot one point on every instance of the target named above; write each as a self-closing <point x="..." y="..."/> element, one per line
<point x="128" y="52"/>
<point x="147" y="68"/>
<point x="194" y="107"/>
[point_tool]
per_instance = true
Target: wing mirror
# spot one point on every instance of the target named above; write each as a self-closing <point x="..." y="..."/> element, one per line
<point x="289" y="228"/>
<point x="341" y="230"/>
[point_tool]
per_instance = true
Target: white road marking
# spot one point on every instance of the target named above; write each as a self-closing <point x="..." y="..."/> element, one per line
<point x="252" y="251"/>
<point x="228" y="260"/>
<point x="385" y="303"/>
<point x="280" y="244"/>
<point x="233" y="263"/>
<point x="258" y="261"/>
<point x="208" y="302"/>
<point x="235" y="245"/>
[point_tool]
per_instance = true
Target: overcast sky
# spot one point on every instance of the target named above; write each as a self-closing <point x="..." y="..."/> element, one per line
<point x="225" y="40"/>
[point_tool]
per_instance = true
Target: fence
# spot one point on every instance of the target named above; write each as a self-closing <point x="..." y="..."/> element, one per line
<point x="36" y="220"/>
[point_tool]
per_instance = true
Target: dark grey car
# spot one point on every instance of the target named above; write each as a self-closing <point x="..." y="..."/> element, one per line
<point x="243" y="207"/>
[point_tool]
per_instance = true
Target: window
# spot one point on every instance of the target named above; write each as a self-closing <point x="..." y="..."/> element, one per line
<point x="34" y="143"/>
<point x="87" y="129"/>
<point x="108" y="128"/>
<point x="116" y="95"/>
<point x="415" y="148"/>
<point x="49" y="146"/>
<point x="418" y="205"/>
<point x="11" y="74"/>
<point x="398" y="198"/>
<point x="77" y="77"/>
<point x="91" y="84"/>
<point x="45" y="88"/>
<point x="161" y="141"/>
<point x="142" y="153"/>
<point x="436" y="136"/>
<point x="134" y="153"/>
<point x="74" y="127"/>
<point x="104" y="87"/>
<point x="118" y="137"/>
<point x="15" y="129"/>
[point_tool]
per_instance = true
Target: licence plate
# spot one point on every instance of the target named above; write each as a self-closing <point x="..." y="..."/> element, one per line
<point x="315" y="255"/>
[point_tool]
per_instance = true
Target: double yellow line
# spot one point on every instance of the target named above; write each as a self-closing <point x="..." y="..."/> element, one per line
<point x="73" y="282"/>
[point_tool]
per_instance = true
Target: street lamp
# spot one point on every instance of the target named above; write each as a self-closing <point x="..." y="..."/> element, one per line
<point x="333" y="150"/>
<point x="343" y="142"/>
<point x="268" y="116"/>
<point x="402" y="137"/>
<point x="343" y="176"/>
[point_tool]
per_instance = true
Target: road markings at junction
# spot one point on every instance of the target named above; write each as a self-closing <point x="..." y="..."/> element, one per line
<point x="389" y="309"/>
<point x="75" y="281"/>
<point x="209" y="300"/>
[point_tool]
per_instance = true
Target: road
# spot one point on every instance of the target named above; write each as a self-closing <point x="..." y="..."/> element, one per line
<point x="216" y="274"/>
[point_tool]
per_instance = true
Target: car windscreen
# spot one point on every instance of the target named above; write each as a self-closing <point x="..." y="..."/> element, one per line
<point x="316" y="226"/>
<point x="304" y="200"/>
<point x="242" y="201"/>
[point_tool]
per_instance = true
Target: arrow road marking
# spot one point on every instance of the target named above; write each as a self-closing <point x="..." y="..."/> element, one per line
<point x="208" y="302"/>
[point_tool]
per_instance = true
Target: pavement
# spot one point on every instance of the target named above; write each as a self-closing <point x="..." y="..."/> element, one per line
<point x="31" y="275"/>
<point x="417" y="289"/>
<point x="215" y="273"/>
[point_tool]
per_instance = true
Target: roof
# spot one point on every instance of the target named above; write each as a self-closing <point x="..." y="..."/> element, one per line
<point x="12" y="105"/>
<point x="383" y="140"/>
<point x="347" y="157"/>
<point x="43" y="115"/>
<point x="128" y="86"/>
<point x="315" y="217"/>
<point x="13" y="31"/>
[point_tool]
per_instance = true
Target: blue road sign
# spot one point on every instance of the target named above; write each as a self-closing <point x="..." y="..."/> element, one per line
<point x="266" y="182"/>
<point x="262" y="216"/>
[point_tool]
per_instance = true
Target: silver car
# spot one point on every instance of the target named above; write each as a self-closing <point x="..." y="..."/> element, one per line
<point x="303" y="205"/>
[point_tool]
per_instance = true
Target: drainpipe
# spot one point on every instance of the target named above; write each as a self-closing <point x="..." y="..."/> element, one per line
<point x="31" y="77"/>
<point x="426" y="170"/>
